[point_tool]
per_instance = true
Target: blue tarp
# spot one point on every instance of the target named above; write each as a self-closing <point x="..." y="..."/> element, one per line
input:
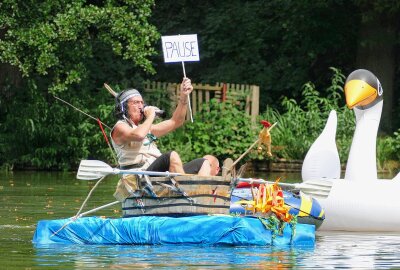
<point x="151" y="230"/>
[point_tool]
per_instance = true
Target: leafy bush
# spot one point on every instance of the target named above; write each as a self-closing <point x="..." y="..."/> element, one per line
<point x="54" y="136"/>
<point x="160" y="98"/>
<point x="388" y="152"/>
<point x="220" y="129"/>
<point x="301" y="124"/>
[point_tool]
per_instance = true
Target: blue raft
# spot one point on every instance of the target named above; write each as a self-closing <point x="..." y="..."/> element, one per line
<point x="151" y="230"/>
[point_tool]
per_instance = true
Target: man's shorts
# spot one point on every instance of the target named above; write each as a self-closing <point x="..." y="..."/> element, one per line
<point x="194" y="166"/>
<point x="161" y="164"/>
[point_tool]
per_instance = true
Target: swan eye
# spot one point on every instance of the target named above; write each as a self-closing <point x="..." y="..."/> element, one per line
<point x="380" y="89"/>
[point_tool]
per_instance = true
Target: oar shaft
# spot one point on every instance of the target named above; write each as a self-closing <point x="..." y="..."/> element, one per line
<point x="319" y="189"/>
<point x="262" y="181"/>
<point x="98" y="208"/>
<point x="95" y="169"/>
<point x="84" y="214"/>
<point x="150" y="173"/>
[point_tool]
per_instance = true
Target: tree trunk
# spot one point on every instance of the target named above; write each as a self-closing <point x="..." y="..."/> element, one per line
<point x="376" y="52"/>
<point x="9" y="75"/>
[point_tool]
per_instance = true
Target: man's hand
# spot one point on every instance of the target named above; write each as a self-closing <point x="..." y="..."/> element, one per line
<point x="186" y="86"/>
<point x="149" y="111"/>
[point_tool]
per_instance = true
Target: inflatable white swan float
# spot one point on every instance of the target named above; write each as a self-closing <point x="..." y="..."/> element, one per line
<point x="360" y="201"/>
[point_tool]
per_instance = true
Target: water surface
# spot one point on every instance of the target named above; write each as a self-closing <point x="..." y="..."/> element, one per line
<point x="28" y="197"/>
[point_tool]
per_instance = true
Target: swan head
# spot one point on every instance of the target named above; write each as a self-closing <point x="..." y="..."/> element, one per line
<point x="362" y="89"/>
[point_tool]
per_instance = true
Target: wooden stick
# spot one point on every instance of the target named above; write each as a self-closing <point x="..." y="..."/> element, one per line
<point x="190" y="108"/>
<point x="248" y="150"/>
<point x="188" y="96"/>
<point x="245" y="153"/>
<point x="271" y="127"/>
<point x="110" y="90"/>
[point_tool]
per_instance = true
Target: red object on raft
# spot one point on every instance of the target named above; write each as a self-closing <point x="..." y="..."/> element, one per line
<point x="265" y="123"/>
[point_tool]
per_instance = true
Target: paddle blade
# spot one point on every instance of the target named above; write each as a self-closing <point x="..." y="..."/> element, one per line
<point x="93" y="169"/>
<point x="318" y="189"/>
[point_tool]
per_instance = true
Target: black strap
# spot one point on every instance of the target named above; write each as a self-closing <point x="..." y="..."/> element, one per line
<point x="132" y="166"/>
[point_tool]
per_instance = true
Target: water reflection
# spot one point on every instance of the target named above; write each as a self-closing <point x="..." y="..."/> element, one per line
<point x="128" y="257"/>
<point x="333" y="250"/>
<point x="359" y="250"/>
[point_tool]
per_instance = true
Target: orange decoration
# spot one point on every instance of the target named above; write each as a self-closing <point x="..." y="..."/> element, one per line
<point x="269" y="199"/>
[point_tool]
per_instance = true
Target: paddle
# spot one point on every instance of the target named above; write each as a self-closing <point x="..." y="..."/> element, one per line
<point x="314" y="188"/>
<point x="95" y="169"/>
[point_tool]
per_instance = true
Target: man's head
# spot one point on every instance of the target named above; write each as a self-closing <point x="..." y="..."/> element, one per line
<point x="214" y="164"/>
<point x="129" y="103"/>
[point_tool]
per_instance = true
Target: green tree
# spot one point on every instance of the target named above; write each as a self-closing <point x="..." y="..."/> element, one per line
<point x="278" y="45"/>
<point x="378" y="40"/>
<point x="55" y="39"/>
<point x="69" y="49"/>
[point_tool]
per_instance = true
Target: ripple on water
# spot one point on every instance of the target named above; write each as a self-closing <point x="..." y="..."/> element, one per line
<point x="13" y="226"/>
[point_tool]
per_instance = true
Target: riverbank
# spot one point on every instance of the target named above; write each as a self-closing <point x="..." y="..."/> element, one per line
<point x="273" y="166"/>
<point x="284" y="165"/>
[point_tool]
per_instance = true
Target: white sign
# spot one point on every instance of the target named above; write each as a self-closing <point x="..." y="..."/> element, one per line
<point x="181" y="48"/>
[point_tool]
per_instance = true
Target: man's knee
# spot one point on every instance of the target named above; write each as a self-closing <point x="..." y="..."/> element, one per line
<point x="175" y="163"/>
<point x="174" y="157"/>
<point x="205" y="169"/>
<point x="206" y="165"/>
